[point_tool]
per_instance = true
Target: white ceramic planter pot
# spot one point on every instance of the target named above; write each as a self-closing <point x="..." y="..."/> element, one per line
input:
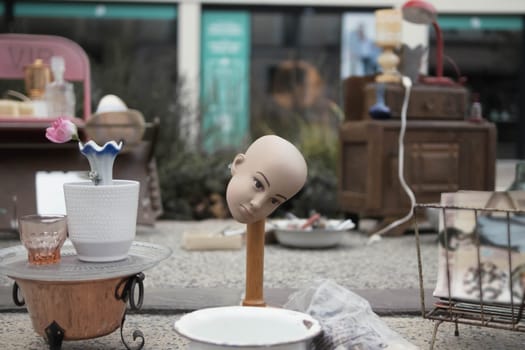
<point x="102" y="219"/>
<point x="248" y="328"/>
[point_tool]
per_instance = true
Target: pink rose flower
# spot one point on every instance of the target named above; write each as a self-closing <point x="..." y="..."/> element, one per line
<point x="62" y="130"/>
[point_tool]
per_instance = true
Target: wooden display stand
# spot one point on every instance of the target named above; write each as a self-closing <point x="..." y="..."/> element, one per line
<point x="254" y="264"/>
<point x="441" y="155"/>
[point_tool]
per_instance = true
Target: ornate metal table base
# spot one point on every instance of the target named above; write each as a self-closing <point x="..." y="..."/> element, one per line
<point x="54" y="336"/>
<point x="128" y="295"/>
<point x="124" y="291"/>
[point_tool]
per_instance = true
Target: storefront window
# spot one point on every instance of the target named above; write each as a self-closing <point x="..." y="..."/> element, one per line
<point x="132" y="48"/>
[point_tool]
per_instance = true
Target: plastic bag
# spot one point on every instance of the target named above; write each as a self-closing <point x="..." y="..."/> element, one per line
<point x="347" y="319"/>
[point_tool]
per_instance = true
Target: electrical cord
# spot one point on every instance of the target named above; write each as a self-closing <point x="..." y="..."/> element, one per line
<point x="407" y="84"/>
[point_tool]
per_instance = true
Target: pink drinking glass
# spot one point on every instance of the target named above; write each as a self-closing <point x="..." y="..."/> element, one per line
<point x="43" y="237"/>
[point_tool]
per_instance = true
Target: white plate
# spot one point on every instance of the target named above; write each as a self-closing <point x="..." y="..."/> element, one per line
<point x="310" y="238"/>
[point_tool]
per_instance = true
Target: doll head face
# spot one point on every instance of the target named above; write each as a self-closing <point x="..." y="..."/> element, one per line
<point x="270" y="172"/>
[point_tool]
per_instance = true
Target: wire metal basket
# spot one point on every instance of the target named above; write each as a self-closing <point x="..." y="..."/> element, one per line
<point x="482" y="311"/>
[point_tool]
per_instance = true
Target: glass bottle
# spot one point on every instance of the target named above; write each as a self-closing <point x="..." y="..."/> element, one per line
<point x="476" y="111"/>
<point x="60" y="96"/>
<point x="37" y="77"/>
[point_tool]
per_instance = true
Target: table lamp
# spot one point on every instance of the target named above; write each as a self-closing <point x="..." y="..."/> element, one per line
<point x="388" y="37"/>
<point x="423" y="12"/>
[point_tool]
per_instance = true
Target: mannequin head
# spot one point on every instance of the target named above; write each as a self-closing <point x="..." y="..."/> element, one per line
<point x="270" y="172"/>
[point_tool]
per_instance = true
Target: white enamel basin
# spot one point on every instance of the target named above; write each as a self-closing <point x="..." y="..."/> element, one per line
<point x="247" y="327"/>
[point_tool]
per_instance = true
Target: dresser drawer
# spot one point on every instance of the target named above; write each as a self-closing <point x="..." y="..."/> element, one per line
<point x="426" y="101"/>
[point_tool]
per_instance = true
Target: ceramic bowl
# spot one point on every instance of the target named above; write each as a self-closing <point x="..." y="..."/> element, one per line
<point x="245" y="327"/>
<point x="329" y="236"/>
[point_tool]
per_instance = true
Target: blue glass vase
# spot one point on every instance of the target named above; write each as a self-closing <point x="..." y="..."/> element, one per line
<point x="519" y="179"/>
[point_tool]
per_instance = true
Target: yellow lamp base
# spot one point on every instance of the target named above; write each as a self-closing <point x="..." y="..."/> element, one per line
<point x="388" y="78"/>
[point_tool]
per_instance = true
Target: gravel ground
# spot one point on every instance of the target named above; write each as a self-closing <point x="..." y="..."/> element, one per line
<point x="388" y="264"/>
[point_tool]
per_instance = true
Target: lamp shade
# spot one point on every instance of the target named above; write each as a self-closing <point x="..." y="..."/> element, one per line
<point x="419" y="12"/>
<point x="388" y="27"/>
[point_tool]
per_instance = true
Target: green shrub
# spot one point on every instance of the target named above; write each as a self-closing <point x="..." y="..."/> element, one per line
<point x="188" y="181"/>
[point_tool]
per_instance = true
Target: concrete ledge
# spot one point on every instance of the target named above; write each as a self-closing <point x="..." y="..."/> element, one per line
<point x="179" y="300"/>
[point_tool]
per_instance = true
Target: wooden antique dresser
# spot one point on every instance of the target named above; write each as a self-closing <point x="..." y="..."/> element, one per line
<point x="444" y="152"/>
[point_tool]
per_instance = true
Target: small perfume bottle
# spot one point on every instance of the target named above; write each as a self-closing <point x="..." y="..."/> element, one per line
<point x="60" y="96"/>
<point x="476" y="111"/>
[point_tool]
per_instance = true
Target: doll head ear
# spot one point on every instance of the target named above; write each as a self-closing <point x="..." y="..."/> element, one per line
<point x="239" y="158"/>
